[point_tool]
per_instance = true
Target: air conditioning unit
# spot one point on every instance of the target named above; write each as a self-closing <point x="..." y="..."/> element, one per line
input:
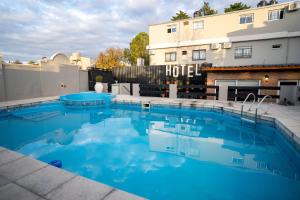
<point x="227" y="45"/>
<point x="215" y="46"/>
<point x="151" y="52"/>
<point x="294" y="6"/>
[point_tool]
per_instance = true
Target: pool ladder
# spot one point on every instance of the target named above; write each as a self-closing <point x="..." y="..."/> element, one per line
<point x="243" y="118"/>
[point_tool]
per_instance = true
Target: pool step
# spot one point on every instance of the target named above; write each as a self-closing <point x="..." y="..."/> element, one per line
<point x="36" y="117"/>
<point x="248" y="120"/>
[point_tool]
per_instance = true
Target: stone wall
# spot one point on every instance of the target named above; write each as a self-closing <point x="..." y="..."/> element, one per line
<point x="274" y="78"/>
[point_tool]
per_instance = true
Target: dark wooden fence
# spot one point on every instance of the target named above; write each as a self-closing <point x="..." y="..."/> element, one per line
<point x="196" y="91"/>
<point x="154" y="82"/>
<point x="142" y="75"/>
<point x="239" y="93"/>
<point x="106" y="75"/>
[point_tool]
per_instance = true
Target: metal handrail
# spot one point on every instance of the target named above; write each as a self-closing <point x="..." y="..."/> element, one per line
<point x="253" y="102"/>
<point x="261" y="101"/>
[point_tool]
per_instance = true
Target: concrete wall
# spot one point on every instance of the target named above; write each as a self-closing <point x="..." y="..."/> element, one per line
<point x="262" y="54"/>
<point x="2" y="86"/>
<point x="224" y="26"/>
<point x="83" y="80"/>
<point x="23" y="81"/>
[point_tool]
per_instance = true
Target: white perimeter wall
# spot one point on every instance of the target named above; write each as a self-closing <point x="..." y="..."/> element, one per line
<point x="24" y="82"/>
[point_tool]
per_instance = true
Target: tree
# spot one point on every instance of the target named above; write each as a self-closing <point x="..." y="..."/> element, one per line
<point x="110" y="58"/>
<point x="17" y="62"/>
<point x="138" y="48"/>
<point x="272" y="2"/>
<point x="205" y="10"/>
<point x="180" y="15"/>
<point x="126" y="56"/>
<point x="236" y="6"/>
<point x="31" y="62"/>
<point x="262" y="3"/>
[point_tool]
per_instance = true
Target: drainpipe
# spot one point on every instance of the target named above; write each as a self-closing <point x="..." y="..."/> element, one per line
<point x="287" y="51"/>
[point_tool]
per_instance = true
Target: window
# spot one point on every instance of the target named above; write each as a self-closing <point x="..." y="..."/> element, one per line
<point x="199" y="55"/>
<point x="171" y="29"/>
<point x="184" y="53"/>
<point x="198" y="25"/>
<point x="276" y="46"/>
<point x="170" y="57"/>
<point x="243" y="52"/>
<point x="186" y="23"/>
<point x="275" y="15"/>
<point x="246" y="19"/>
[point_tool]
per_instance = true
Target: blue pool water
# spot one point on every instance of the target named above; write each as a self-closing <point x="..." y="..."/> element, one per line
<point x="167" y="153"/>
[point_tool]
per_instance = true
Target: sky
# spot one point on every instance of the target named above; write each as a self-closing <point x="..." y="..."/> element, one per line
<point x="32" y="29"/>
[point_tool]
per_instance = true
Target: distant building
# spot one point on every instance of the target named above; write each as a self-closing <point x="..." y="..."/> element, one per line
<point x="83" y="62"/>
<point x="59" y="58"/>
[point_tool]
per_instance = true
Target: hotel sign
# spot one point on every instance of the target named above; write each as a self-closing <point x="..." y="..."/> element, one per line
<point x="183" y="70"/>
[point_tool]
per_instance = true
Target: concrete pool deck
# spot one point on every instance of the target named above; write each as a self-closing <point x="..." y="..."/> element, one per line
<point x="22" y="177"/>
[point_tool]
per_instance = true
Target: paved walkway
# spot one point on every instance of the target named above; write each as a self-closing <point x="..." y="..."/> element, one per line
<point x="24" y="178"/>
<point x="26" y="101"/>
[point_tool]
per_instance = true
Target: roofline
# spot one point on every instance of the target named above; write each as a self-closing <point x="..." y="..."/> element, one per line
<point x="219" y="14"/>
<point x="260" y="68"/>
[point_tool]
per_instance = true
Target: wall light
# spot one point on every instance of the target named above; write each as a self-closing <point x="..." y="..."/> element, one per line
<point x="267" y="77"/>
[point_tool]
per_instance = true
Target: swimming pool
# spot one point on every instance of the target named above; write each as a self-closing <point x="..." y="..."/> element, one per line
<point x="164" y="153"/>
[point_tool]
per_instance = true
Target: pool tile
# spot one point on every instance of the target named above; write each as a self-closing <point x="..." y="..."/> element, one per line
<point x="8" y="156"/>
<point x="45" y="180"/>
<point x="80" y="188"/>
<point x="19" y="168"/>
<point x="12" y="191"/>
<point x="121" y="195"/>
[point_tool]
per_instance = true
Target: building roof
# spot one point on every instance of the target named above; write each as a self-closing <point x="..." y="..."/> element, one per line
<point x="295" y="67"/>
<point x="228" y="13"/>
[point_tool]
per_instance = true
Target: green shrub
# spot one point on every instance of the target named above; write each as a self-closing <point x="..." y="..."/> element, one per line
<point x="99" y="78"/>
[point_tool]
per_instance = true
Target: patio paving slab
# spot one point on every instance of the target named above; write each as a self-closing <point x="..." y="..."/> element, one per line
<point x="3" y="181"/>
<point x="45" y="180"/>
<point x="121" y="195"/>
<point x="12" y="191"/>
<point x="20" y="167"/>
<point x="81" y="188"/>
<point x="8" y="156"/>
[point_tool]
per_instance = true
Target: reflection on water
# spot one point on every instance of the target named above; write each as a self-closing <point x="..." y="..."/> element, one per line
<point x="246" y="150"/>
<point x="170" y="154"/>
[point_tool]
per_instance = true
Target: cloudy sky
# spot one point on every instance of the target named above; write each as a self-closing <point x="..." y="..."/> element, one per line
<point x="31" y="29"/>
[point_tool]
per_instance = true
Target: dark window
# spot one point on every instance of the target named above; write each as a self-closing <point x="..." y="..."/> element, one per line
<point x="184" y="53"/>
<point x="243" y="52"/>
<point x="246" y="19"/>
<point x="199" y="55"/>
<point x="288" y="83"/>
<point x="275" y="15"/>
<point x="169" y="30"/>
<point x="276" y="46"/>
<point x="170" y="57"/>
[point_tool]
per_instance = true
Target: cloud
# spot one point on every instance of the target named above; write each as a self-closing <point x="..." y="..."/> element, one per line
<point x="31" y="29"/>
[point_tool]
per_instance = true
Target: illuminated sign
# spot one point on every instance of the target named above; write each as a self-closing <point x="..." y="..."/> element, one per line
<point x="183" y="70"/>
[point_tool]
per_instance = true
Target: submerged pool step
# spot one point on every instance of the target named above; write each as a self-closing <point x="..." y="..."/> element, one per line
<point x="36" y="117"/>
<point x="248" y="120"/>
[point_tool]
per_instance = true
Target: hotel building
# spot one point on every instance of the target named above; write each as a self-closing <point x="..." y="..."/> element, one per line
<point x="255" y="47"/>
